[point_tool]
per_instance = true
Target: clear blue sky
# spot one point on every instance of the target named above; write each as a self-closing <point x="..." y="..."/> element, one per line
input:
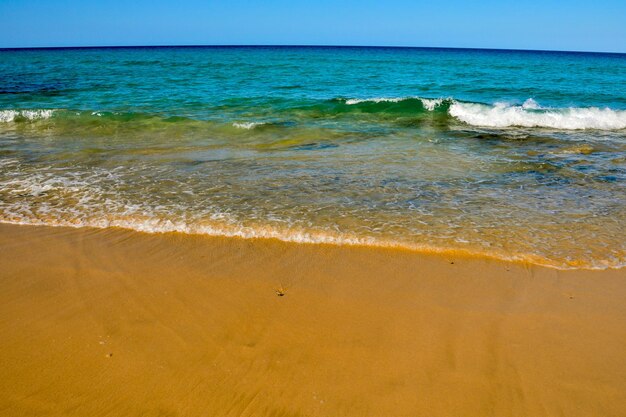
<point x="532" y="24"/>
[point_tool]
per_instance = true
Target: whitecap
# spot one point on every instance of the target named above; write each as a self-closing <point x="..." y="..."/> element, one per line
<point x="530" y="114"/>
<point x="247" y="125"/>
<point x="353" y="101"/>
<point x="10" y="115"/>
<point x="431" y="103"/>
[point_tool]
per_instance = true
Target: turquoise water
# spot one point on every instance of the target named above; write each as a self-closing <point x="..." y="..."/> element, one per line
<point x="514" y="154"/>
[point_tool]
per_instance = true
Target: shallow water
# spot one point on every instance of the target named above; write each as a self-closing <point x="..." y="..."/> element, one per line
<point x="519" y="155"/>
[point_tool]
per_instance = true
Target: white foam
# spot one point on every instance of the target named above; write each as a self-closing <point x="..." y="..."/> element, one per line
<point x="247" y="125"/>
<point x="10" y="115"/>
<point x="530" y="114"/>
<point x="531" y="104"/>
<point x="431" y="103"/>
<point x="374" y="100"/>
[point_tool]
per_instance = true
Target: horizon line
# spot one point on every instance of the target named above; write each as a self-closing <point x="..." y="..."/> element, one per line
<point x="18" y="48"/>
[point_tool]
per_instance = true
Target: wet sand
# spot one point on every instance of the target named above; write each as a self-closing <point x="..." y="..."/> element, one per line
<point x="119" y="323"/>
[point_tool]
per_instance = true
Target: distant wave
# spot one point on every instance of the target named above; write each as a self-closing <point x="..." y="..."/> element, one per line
<point x="16" y="115"/>
<point x="89" y="116"/>
<point x="389" y="105"/>
<point x="247" y="125"/>
<point x="352" y="101"/>
<point x="428" y="103"/>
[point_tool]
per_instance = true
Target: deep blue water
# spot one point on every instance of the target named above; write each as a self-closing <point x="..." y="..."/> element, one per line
<point x="192" y="80"/>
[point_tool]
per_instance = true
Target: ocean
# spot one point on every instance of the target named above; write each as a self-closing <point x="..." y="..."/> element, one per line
<point x="516" y="155"/>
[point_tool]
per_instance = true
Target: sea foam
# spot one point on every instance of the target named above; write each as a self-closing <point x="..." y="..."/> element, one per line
<point x="13" y="115"/>
<point x="247" y="125"/>
<point x="530" y="114"/>
<point x="353" y="101"/>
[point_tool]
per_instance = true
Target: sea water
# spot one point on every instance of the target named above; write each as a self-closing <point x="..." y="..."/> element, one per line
<point x="511" y="154"/>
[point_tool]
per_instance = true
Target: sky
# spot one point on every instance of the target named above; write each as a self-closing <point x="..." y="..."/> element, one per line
<point x="533" y="24"/>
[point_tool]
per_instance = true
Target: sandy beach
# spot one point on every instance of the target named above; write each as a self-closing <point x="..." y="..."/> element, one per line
<point x="109" y="322"/>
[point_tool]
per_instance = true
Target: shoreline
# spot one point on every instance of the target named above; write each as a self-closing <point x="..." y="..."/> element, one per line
<point x="320" y="239"/>
<point x="119" y="322"/>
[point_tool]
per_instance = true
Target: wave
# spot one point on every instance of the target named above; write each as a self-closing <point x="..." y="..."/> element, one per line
<point x="530" y="114"/>
<point x="447" y="110"/>
<point x="499" y="115"/>
<point x="407" y="106"/>
<point x="17" y="115"/>
<point x="427" y="103"/>
<point x="247" y="125"/>
<point x="70" y="199"/>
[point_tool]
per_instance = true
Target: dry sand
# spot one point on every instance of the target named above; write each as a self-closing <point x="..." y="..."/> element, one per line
<point x="119" y="323"/>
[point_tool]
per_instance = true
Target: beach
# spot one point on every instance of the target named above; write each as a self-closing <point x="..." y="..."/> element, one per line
<point x="312" y="231"/>
<point x="115" y="322"/>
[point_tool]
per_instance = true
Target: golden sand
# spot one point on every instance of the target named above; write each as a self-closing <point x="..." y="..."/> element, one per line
<point x="118" y="323"/>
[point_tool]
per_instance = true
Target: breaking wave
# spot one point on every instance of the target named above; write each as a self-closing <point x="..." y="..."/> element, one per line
<point x="427" y="103"/>
<point x="499" y="115"/>
<point x="530" y="114"/>
<point x="247" y="125"/>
